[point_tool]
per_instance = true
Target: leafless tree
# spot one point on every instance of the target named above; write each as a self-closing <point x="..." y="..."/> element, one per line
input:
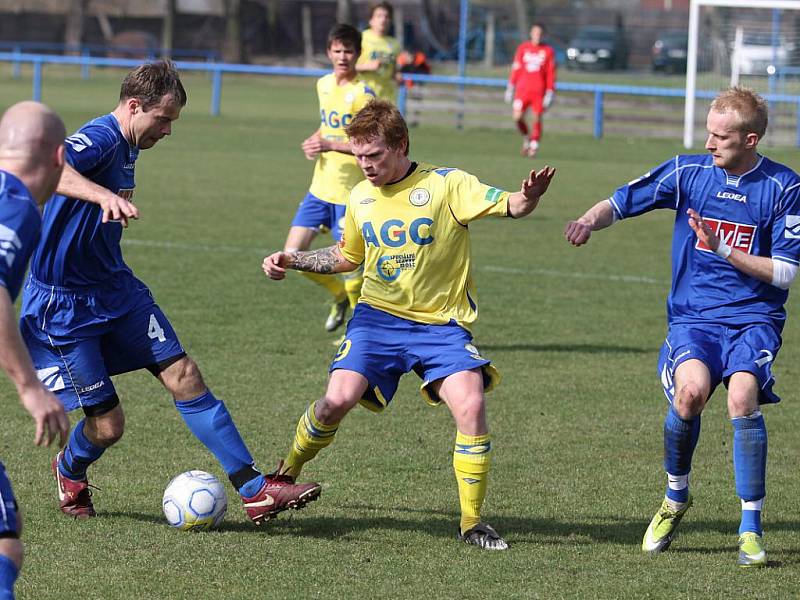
<point x="73" y="32"/>
<point x="232" y="44"/>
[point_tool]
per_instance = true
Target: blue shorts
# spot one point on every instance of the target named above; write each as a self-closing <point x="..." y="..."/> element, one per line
<point x="725" y="351"/>
<point x="315" y="213"/>
<point x="8" y="506"/>
<point x="77" y="364"/>
<point x="383" y="347"/>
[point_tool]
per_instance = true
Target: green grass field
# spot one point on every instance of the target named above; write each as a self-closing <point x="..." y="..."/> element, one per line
<point x="576" y="422"/>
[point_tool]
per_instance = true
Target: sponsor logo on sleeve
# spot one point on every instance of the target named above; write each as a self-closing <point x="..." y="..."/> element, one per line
<point x="493" y="195"/>
<point x="736" y="235"/>
<point x="792" y="231"/>
<point x="10" y="244"/>
<point x="79" y="142"/>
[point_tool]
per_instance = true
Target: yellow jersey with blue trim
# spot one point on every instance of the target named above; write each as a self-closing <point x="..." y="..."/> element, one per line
<point x="413" y="240"/>
<point x="335" y="173"/>
<point x="386" y="49"/>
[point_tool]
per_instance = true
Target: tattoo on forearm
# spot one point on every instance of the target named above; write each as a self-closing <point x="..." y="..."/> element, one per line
<point x="323" y="260"/>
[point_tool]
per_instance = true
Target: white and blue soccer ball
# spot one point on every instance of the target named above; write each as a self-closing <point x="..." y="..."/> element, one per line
<point x="195" y="501"/>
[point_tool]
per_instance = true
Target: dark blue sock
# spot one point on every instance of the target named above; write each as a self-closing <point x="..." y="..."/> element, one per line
<point x="8" y="575"/>
<point x="680" y="440"/>
<point x="79" y="454"/>
<point x="750" y="466"/>
<point x="211" y="423"/>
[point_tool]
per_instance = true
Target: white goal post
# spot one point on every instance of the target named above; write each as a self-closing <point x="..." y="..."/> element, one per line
<point x="693" y="50"/>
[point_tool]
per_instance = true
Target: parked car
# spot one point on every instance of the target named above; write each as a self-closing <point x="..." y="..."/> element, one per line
<point x="759" y="54"/>
<point x="598" y="47"/>
<point x="669" y="54"/>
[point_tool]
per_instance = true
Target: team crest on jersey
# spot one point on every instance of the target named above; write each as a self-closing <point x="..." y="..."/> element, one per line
<point x="419" y="197"/>
<point x="792" y="231"/>
<point x="10" y="244"/>
<point x="349" y="98"/>
<point x="736" y="235"/>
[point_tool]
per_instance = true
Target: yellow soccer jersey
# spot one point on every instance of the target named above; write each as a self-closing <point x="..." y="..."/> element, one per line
<point x="386" y="49"/>
<point x="413" y="239"/>
<point x="335" y="173"/>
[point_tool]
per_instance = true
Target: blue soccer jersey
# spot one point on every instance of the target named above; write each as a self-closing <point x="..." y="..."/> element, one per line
<point x="20" y="225"/>
<point x="78" y="250"/>
<point x="757" y="212"/>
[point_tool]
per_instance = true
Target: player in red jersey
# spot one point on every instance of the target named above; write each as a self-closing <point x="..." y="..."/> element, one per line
<point x="531" y="85"/>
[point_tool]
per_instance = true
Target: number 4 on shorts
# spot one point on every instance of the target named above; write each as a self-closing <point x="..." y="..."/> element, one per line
<point x="154" y="330"/>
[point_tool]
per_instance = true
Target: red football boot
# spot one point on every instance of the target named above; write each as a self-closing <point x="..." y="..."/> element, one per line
<point x="75" y="497"/>
<point x="279" y="493"/>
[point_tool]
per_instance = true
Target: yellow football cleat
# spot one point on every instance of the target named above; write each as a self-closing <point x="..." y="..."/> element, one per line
<point x="661" y="530"/>
<point x="751" y="550"/>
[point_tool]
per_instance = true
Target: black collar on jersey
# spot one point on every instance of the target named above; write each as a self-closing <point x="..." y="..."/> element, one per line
<point x="411" y="169"/>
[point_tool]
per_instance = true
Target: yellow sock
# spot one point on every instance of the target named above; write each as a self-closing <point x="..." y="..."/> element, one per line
<point x="352" y="285"/>
<point x="471" y="460"/>
<point x="310" y="437"/>
<point x="333" y="284"/>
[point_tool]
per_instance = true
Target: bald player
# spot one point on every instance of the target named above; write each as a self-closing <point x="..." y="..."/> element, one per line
<point x="31" y="161"/>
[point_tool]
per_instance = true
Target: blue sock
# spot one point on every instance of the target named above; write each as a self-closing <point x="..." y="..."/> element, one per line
<point x="250" y="488"/>
<point x="79" y="454"/>
<point x="8" y="575"/>
<point x="751" y="521"/>
<point x="680" y="440"/>
<point x="750" y="466"/>
<point x="211" y="423"/>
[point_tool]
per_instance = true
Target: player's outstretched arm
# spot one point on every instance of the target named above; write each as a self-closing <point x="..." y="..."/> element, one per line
<point x="325" y="260"/>
<point x="315" y="144"/>
<point x="312" y="145"/>
<point x="760" y="267"/>
<point x="523" y="202"/>
<point x="46" y="410"/>
<point x="600" y="216"/>
<point x="115" y="208"/>
<point x="369" y="66"/>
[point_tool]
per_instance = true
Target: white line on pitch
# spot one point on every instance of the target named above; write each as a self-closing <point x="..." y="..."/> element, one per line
<point x="574" y="275"/>
<point x="491" y="268"/>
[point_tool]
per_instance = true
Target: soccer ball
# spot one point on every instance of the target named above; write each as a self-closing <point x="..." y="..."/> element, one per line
<point x="195" y="501"/>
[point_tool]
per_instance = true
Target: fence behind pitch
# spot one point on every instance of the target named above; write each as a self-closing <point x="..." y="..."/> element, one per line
<point x="477" y="102"/>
